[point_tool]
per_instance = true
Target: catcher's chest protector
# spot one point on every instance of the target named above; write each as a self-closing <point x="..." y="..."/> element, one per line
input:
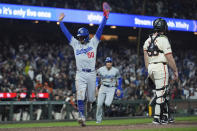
<point x="153" y="49"/>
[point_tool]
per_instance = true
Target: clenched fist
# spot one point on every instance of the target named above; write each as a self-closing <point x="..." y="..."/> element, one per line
<point x="118" y="92"/>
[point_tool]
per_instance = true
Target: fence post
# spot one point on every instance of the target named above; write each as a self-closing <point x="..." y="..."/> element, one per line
<point x="31" y="110"/>
<point x="50" y="110"/>
<point x="67" y="111"/>
<point x="11" y="111"/>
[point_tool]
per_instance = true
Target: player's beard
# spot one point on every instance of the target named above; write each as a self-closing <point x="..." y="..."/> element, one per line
<point x="82" y="42"/>
<point x="82" y="39"/>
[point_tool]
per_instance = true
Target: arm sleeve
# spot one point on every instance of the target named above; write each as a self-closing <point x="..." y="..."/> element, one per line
<point x="119" y="80"/>
<point x="120" y="84"/>
<point x="100" y="29"/>
<point x="119" y="88"/>
<point x="97" y="81"/>
<point x="65" y="31"/>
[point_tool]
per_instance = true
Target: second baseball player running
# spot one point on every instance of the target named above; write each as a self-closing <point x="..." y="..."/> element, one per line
<point x="110" y="83"/>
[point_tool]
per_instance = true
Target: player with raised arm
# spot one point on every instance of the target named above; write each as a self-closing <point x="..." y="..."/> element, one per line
<point x="85" y="50"/>
<point x="157" y="55"/>
<point x="110" y="83"/>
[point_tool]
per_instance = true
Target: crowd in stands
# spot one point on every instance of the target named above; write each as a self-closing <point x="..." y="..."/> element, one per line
<point x="185" y="9"/>
<point x="33" y="64"/>
<point x="36" y="64"/>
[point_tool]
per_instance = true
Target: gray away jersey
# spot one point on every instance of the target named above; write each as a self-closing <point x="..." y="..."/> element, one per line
<point x="85" y="54"/>
<point x="108" y="77"/>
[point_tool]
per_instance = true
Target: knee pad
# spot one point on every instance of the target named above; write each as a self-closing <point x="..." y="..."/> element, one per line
<point x="160" y="100"/>
<point x="153" y="100"/>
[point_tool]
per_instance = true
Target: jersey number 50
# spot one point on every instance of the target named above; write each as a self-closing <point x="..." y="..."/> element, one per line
<point x="90" y="54"/>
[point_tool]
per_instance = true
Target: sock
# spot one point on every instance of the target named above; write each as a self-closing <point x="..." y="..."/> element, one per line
<point x="80" y="104"/>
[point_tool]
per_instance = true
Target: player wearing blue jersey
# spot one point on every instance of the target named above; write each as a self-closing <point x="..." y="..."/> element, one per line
<point x="85" y="50"/>
<point x="110" y="84"/>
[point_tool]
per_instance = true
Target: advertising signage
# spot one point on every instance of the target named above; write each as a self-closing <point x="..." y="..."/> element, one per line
<point x="86" y="17"/>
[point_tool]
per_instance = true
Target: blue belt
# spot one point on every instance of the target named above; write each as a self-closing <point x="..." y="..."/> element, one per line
<point x="86" y="70"/>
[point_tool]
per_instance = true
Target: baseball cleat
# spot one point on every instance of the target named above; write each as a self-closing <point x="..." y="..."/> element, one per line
<point x="81" y="121"/>
<point x="171" y="120"/>
<point x="163" y="122"/>
<point x="97" y="122"/>
<point x="156" y="121"/>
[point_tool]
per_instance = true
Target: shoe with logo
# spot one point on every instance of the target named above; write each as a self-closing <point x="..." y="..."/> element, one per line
<point x="164" y="120"/>
<point x="171" y="120"/>
<point x="156" y="121"/>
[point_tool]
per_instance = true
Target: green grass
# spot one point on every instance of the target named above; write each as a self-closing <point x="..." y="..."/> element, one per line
<point x="167" y="129"/>
<point x="105" y="122"/>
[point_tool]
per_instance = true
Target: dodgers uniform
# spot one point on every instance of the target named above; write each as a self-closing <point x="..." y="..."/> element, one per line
<point x="85" y="56"/>
<point x="108" y="80"/>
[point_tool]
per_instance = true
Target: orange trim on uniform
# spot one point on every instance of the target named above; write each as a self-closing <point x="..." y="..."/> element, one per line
<point x="168" y="53"/>
<point x="165" y="75"/>
<point x="164" y="80"/>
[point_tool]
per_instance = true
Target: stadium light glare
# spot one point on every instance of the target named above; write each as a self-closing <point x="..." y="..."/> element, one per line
<point x="195" y="33"/>
<point x="58" y="23"/>
<point x="91" y="24"/>
<point x="36" y="21"/>
<point x="113" y="27"/>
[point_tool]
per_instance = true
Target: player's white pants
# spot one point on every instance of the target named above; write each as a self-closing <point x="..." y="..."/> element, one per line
<point x="86" y="81"/>
<point x="159" y="74"/>
<point x="38" y="113"/>
<point x="105" y="95"/>
<point x="74" y="115"/>
<point x="17" y="116"/>
<point x="57" y="115"/>
<point x="25" y="116"/>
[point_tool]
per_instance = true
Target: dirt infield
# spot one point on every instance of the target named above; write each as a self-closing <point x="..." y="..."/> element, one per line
<point x="105" y="128"/>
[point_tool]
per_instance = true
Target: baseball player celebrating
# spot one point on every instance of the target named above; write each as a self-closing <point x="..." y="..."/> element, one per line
<point x="108" y="76"/>
<point x="85" y="50"/>
<point x="157" y="54"/>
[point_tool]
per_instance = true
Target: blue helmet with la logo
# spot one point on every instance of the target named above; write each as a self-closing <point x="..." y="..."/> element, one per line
<point x="83" y="34"/>
<point x="108" y="59"/>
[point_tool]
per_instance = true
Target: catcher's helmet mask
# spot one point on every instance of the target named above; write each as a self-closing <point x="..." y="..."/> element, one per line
<point x="160" y="25"/>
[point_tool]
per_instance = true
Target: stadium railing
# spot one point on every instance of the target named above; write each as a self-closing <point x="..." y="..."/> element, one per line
<point x="180" y="107"/>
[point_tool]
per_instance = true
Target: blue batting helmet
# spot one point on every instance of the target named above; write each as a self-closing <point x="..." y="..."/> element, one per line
<point x="83" y="32"/>
<point x="108" y="59"/>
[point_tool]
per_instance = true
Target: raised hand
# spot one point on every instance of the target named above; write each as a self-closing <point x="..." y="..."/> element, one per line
<point x="106" y="9"/>
<point x="61" y="17"/>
